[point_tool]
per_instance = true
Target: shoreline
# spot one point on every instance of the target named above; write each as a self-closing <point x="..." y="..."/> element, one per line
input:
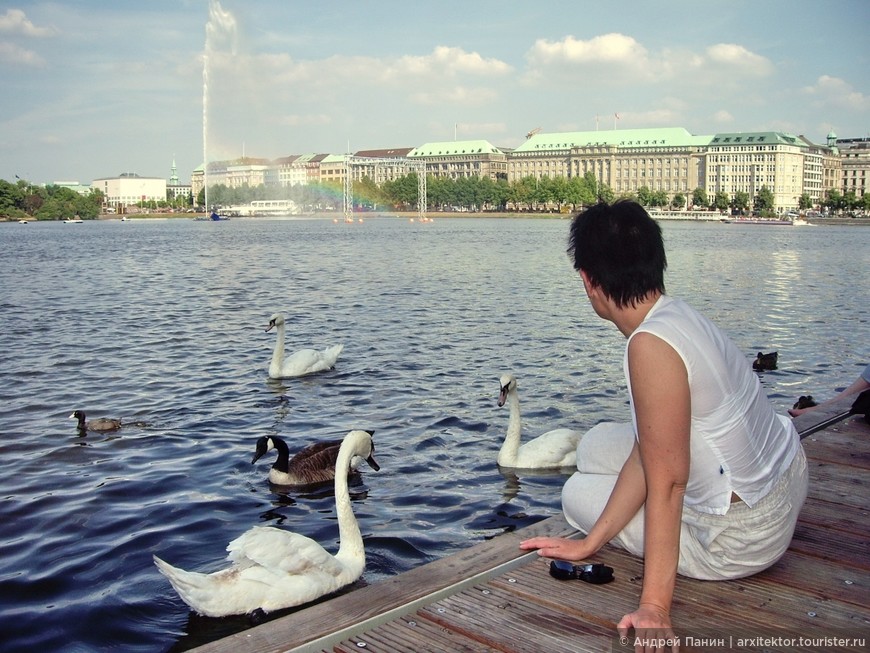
<point x="412" y="215"/>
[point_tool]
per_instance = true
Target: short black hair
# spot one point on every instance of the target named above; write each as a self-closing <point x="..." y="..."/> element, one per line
<point x="620" y="248"/>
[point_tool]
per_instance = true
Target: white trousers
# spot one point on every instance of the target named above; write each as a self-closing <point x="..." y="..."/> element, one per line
<point x="739" y="543"/>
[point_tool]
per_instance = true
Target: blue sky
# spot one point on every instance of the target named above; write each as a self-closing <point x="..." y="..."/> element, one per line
<point x="94" y="88"/>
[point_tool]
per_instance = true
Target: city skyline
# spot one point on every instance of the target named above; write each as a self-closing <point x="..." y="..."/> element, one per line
<point x="94" y="89"/>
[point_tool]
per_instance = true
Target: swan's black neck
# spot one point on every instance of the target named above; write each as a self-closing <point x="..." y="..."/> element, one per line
<point x="283" y="462"/>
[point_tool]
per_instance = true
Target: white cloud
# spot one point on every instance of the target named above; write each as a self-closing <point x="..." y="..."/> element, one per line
<point x="837" y="93"/>
<point x="15" y="21"/>
<point x="738" y="57"/>
<point x="722" y="117"/>
<point x="11" y="53"/>
<point x="617" y="58"/>
<point x="612" y="48"/>
<point x="458" y="95"/>
<point x="297" y="121"/>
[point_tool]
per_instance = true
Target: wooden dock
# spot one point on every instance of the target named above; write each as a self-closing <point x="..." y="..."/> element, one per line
<point x="494" y="597"/>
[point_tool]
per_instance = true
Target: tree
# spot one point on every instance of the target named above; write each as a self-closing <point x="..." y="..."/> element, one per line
<point x="721" y="201"/>
<point x="741" y="200"/>
<point x="644" y="196"/>
<point x="833" y="199"/>
<point x="679" y="201"/>
<point x="699" y="198"/>
<point x="805" y="202"/>
<point x="764" y="201"/>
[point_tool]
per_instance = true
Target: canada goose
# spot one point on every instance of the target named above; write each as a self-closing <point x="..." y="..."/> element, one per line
<point x="557" y="448"/>
<point x="313" y="464"/>
<point x="273" y="569"/>
<point x="304" y="361"/>
<point x="100" y="424"/>
<point x="765" y="361"/>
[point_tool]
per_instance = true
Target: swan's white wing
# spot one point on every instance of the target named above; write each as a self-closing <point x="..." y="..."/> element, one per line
<point x="557" y="448"/>
<point x="306" y="361"/>
<point x="280" y="551"/>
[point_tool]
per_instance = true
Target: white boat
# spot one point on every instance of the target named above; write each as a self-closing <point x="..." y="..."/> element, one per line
<point x="75" y="220"/>
<point x="22" y="221"/>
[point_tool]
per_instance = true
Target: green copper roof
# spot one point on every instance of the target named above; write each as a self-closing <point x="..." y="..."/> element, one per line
<point x="454" y="148"/>
<point x="659" y="137"/>
<point x="755" y="138"/>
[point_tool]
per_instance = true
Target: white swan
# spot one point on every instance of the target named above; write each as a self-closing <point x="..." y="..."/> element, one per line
<point x="304" y="361"/>
<point x="312" y="464"/>
<point x="557" y="448"/>
<point x="274" y="569"/>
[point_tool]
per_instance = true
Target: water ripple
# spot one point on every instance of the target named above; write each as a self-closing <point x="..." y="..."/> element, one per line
<point x="166" y="331"/>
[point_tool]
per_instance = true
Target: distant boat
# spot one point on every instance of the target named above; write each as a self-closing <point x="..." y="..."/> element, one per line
<point x="215" y="216"/>
<point x="22" y="221"/>
<point x="75" y="220"/>
<point x="767" y="221"/>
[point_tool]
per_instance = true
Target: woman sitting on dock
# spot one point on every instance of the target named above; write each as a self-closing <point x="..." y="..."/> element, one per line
<point x="707" y="481"/>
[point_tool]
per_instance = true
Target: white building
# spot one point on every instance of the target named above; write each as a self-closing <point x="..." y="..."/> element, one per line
<point x="128" y="189"/>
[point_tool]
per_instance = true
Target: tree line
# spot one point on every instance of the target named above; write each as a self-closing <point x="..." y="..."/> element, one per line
<point x="527" y="194"/>
<point x="23" y="199"/>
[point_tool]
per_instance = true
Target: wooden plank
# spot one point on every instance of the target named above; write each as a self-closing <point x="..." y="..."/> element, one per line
<point x="845" y="443"/>
<point x="823" y="416"/>
<point x="331" y="618"/>
<point x="835" y="517"/>
<point x="502" y="620"/>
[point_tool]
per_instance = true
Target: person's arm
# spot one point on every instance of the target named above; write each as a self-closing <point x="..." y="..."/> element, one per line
<point x="662" y="404"/>
<point x="859" y="385"/>
<point x="625" y="500"/>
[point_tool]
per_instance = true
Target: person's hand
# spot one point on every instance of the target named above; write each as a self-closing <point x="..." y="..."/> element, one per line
<point x="653" y="632"/>
<point x="560" y="548"/>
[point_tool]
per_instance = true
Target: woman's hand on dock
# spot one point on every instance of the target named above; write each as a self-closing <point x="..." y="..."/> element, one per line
<point x="560" y="548"/>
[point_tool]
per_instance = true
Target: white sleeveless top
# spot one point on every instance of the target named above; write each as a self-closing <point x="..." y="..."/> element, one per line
<point x="737" y="442"/>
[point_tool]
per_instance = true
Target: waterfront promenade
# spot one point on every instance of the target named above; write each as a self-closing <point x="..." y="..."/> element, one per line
<point x="493" y="597"/>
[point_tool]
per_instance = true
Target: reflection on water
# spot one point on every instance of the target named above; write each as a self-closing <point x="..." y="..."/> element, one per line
<point x="162" y="324"/>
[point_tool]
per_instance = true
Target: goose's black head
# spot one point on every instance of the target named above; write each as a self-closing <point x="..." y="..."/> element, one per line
<point x="263" y="445"/>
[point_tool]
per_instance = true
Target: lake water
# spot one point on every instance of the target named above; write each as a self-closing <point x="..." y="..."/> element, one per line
<point x="162" y="323"/>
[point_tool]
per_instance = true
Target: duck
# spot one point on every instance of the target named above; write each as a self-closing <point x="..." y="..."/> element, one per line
<point x="556" y="448"/>
<point x="765" y="361"/>
<point x="100" y="424"/>
<point x="313" y="464"/>
<point x="304" y="361"/>
<point x="272" y="569"/>
<point x="805" y="401"/>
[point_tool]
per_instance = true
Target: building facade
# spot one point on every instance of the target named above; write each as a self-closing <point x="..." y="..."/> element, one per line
<point x="457" y="159"/>
<point x="128" y="189"/>
<point x="855" y="161"/>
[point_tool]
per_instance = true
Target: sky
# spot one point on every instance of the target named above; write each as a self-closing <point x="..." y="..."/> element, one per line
<point x="95" y="88"/>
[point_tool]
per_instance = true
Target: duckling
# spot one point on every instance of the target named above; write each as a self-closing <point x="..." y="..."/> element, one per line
<point x="805" y="402"/>
<point x="101" y="424"/>
<point x="765" y="361"/>
<point x="313" y="464"/>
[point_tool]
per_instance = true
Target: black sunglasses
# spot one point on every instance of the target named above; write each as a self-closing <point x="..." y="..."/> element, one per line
<point x="595" y="573"/>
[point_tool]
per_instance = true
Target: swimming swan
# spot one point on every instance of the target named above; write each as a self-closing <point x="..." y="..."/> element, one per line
<point x="274" y="569"/>
<point x="557" y="448"/>
<point x="313" y="464"/>
<point x="100" y="424"/>
<point x="304" y="361"/>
